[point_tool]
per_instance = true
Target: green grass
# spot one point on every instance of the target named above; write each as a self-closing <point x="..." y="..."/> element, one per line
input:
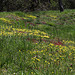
<point x="37" y="43"/>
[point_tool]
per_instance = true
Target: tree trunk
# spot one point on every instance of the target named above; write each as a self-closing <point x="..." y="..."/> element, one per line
<point x="61" y="6"/>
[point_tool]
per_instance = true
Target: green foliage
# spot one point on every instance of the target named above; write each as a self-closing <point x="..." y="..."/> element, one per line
<point x="34" y="5"/>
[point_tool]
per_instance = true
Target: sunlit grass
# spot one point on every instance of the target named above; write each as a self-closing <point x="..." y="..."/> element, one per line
<point x="37" y="43"/>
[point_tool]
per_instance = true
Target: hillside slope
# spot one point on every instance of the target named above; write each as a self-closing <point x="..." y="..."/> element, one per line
<point x="37" y="43"/>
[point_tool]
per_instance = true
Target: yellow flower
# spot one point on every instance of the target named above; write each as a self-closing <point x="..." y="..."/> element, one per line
<point x="55" y="54"/>
<point x="43" y="53"/>
<point x="52" y="72"/>
<point x="5" y="20"/>
<point x="24" y="18"/>
<point x="60" y="56"/>
<point x="51" y="58"/>
<point x="70" y="54"/>
<point x="45" y="61"/>
<point x="46" y="50"/>
<point x="41" y="50"/>
<point x="19" y="50"/>
<point x="50" y="54"/>
<point x="51" y="44"/>
<point x="38" y="59"/>
<point x="54" y="60"/>
<point x="34" y="52"/>
<point x="36" y="43"/>
<point x="31" y="16"/>
<point x="53" y="16"/>
<point x="70" y="67"/>
<point x="68" y="42"/>
<point x="37" y="51"/>
<point x="33" y="61"/>
<point x="34" y="57"/>
<point x="48" y="63"/>
<point x="57" y="58"/>
<point x="32" y="73"/>
<point x="45" y="36"/>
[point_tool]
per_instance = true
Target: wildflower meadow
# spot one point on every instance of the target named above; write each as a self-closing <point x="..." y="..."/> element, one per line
<point x="37" y="43"/>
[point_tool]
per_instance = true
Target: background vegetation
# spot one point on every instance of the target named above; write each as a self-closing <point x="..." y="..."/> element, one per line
<point x="34" y="5"/>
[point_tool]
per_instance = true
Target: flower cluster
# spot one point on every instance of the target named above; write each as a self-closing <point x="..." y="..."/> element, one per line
<point x="13" y="31"/>
<point x="33" y="17"/>
<point x="51" y="55"/>
<point x="53" y="16"/>
<point x="5" y="20"/>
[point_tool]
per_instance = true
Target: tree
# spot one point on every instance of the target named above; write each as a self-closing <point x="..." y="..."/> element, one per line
<point x="61" y="6"/>
<point x="72" y="4"/>
<point x="33" y="4"/>
<point x="1" y="5"/>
